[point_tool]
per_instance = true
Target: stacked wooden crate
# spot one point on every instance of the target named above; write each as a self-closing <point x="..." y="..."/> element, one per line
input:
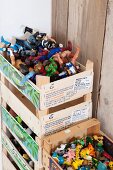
<point x="86" y="128"/>
<point x="45" y="108"/>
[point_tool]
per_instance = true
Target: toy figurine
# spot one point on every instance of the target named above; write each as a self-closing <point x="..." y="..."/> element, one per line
<point x="84" y="168"/>
<point x="61" y="150"/>
<point x="5" y="42"/>
<point x="91" y="150"/>
<point x="59" y="159"/>
<point x="51" y="67"/>
<point x="24" y="43"/>
<point x="27" y="77"/>
<point x="78" y="148"/>
<point x="39" y="68"/>
<point x="102" y="166"/>
<point x="111" y="165"/>
<point x="57" y="57"/>
<point x="70" y="155"/>
<point x="106" y="155"/>
<point x="77" y="163"/>
<point x="27" y="53"/>
<point x="19" y="120"/>
<point x="73" y="60"/>
<point x="99" y="139"/>
<point x="89" y="139"/>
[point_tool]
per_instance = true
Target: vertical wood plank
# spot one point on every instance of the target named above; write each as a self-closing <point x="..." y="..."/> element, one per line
<point x="60" y="20"/>
<point x="86" y="26"/>
<point x="105" y="106"/>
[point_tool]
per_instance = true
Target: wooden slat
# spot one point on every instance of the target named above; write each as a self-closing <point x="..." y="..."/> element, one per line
<point x="27" y="116"/>
<point x="105" y="105"/>
<point x="7" y="165"/>
<point x="86" y="28"/>
<point x="60" y="20"/>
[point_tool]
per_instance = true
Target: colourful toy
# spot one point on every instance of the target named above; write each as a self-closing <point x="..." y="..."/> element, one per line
<point x="78" y="148"/>
<point x="111" y="165"/>
<point x="73" y="60"/>
<point x="106" y="155"/>
<point x="59" y="159"/>
<point x="99" y="139"/>
<point x="102" y="166"/>
<point x="19" y="120"/>
<point x="77" y="163"/>
<point x="91" y="150"/>
<point x="51" y="68"/>
<point x="84" y="168"/>
<point x="27" y="77"/>
<point x="70" y="155"/>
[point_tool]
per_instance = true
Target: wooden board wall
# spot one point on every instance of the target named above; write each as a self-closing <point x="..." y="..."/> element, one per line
<point x="105" y="106"/>
<point x="82" y="22"/>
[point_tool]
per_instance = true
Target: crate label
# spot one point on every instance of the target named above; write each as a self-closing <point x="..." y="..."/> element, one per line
<point x="15" y="77"/>
<point x="52" y="165"/>
<point x="66" y="89"/>
<point x="19" y="132"/>
<point x="62" y="119"/>
<point x="21" y="163"/>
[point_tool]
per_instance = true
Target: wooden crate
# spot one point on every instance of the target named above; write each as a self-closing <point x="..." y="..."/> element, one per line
<point x="59" y="118"/>
<point x="89" y="127"/>
<point x="55" y="119"/>
<point x="35" y="153"/>
<point x="46" y="95"/>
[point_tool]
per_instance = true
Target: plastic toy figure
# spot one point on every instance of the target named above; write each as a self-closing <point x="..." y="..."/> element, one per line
<point x="84" y="168"/>
<point x="73" y="60"/>
<point x="27" y="77"/>
<point x="12" y="57"/>
<point x="7" y="43"/>
<point x="78" y="148"/>
<point x="77" y="163"/>
<point x="39" y="68"/>
<point x="111" y="165"/>
<point x="61" y="150"/>
<point x="91" y="150"/>
<point x="70" y="155"/>
<point x="51" y="68"/>
<point x="59" y="159"/>
<point x="99" y="139"/>
<point x="19" y="120"/>
<point x="102" y="166"/>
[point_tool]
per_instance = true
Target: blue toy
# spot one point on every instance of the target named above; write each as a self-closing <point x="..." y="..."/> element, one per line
<point x="27" y="77"/>
<point x="52" y="52"/>
<point x="60" y="159"/>
<point x="5" y="42"/>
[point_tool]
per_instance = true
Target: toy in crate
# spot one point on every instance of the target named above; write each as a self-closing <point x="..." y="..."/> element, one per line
<point x="41" y="55"/>
<point x="87" y="153"/>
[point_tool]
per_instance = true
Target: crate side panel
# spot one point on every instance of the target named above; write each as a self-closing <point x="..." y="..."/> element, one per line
<point x="15" y="77"/>
<point x="20" y="133"/>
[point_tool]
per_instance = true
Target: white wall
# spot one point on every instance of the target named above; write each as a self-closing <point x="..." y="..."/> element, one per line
<point x="14" y="14"/>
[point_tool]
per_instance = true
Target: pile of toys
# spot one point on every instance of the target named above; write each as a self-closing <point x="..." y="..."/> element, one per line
<point x="87" y="153"/>
<point x="41" y="55"/>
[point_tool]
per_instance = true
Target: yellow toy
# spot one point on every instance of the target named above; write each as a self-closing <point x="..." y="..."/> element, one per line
<point x="98" y="139"/>
<point x="78" y="148"/>
<point x="77" y="163"/>
<point x="111" y="165"/>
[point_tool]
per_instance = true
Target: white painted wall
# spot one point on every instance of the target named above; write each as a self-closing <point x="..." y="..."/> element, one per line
<point x="14" y="14"/>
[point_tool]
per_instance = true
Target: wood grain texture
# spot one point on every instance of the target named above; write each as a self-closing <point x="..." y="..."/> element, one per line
<point x="105" y="106"/>
<point x="60" y="20"/>
<point x="86" y="28"/>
